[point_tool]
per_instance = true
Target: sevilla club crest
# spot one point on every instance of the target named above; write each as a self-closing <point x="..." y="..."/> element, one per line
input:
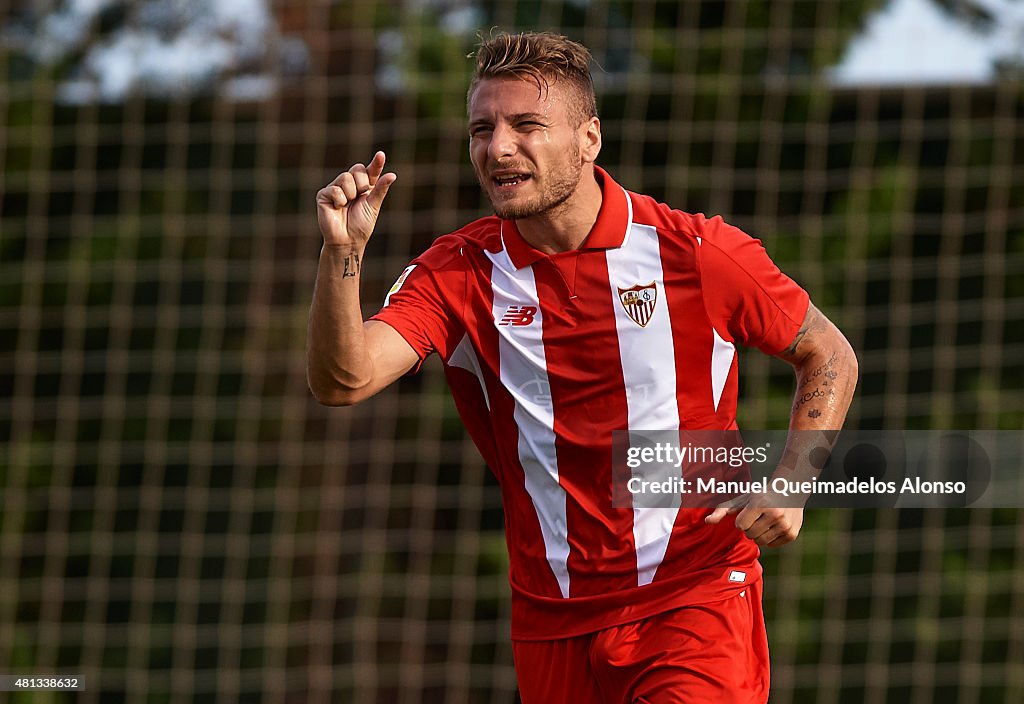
<point x="639" y="302"/>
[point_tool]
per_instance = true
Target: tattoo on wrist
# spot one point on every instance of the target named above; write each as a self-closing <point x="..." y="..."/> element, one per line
<point x="351" y="266"/>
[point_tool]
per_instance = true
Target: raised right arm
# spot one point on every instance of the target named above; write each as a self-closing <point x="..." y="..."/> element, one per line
<point x="348" y="360"/>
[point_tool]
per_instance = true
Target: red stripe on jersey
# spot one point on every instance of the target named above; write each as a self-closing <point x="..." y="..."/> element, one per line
<point x="588" y="399"/>
<point x="692" y="537"/>
<point x="528" y="562"/>
<point x="690" y="322"/>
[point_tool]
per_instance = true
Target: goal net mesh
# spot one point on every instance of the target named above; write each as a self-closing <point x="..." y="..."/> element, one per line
<point x="181" y="522"/>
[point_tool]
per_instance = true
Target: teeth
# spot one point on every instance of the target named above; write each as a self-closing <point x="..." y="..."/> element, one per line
<point x="508" y="180"/>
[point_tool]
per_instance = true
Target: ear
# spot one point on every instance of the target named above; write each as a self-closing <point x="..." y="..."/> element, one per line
<point x="590" y="140"/>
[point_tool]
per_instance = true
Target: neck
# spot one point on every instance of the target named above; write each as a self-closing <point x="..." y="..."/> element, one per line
<point x="566" y="226"/>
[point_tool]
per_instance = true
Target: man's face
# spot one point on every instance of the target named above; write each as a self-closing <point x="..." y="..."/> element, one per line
<point x="527" y="153"/>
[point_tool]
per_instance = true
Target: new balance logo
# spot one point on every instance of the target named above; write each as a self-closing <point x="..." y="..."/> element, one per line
<point x="518" y="315"/>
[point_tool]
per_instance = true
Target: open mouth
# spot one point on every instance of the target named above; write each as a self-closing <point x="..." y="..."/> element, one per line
<point x="510" y="180"/>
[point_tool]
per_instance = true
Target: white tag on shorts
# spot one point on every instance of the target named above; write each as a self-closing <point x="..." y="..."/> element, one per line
<point x="737" y="576"/>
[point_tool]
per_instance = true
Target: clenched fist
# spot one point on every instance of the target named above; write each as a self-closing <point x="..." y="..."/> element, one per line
<point x="348" y="207"/>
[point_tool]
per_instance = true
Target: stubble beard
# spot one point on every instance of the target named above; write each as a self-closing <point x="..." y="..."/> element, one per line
<point x="562" y="184"/>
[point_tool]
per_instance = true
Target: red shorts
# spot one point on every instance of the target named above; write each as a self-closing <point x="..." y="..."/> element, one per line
<point x="715" y="652"/>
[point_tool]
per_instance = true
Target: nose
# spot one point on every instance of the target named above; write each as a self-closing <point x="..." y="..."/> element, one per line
<point x="502" y="144"/>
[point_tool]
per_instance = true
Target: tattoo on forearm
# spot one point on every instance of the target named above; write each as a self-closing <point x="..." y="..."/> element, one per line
<point x="825" y="376"/>
<point x="824" y="369"/>
<point x="351" y="266"/>
<point x="809" y="396"/>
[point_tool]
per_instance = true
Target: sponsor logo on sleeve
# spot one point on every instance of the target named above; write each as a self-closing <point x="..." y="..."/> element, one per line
<point x="398" y="283"/>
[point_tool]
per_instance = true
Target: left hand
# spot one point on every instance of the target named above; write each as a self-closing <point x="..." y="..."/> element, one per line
<point x="767" y="525"/>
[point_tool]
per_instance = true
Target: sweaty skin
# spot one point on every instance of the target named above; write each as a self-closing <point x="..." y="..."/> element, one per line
<point x="525" y="135"/>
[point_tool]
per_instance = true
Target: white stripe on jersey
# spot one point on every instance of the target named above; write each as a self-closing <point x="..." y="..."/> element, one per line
<point x="465" y="356"/>
<point x="523" y="371"/>
<point x="721" y="363"/>
<point x="648" y="369"/>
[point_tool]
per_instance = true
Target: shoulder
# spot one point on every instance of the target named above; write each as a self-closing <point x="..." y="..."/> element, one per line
<point x="456" y="250"/>
<point x="695" y="229"/>
<point x="675" y="223"/>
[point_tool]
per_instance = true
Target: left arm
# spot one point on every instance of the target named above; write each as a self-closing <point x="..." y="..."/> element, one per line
<point x="826" y="376"/>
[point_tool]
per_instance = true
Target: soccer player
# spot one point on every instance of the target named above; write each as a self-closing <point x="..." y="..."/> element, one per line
<point x="580" y="308"/>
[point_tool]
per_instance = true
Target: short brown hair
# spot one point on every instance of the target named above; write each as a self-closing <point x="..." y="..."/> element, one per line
<point x="541" y="57"/>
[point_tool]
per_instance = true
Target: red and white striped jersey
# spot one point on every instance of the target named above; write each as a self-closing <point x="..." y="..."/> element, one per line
<point x="547" y="355"/>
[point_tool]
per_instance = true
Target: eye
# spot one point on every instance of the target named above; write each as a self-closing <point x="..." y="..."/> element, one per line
<point x="479" y="130"/>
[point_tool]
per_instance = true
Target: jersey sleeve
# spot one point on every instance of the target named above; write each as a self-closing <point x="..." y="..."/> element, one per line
<point x="745" y="294"/>
<point x="422" y="306"/>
